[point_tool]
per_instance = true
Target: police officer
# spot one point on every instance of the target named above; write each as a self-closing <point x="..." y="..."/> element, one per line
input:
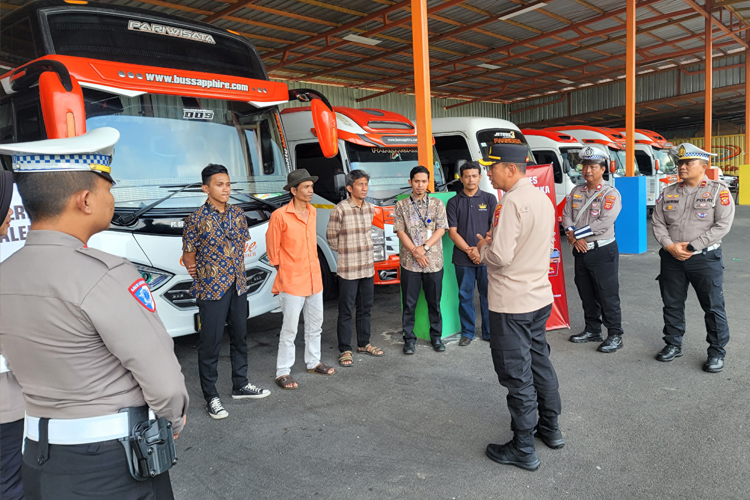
<point x="80" y="330"/>
<point x="690" y="219"/>
<point x="517" y="257"/>
<point x="11" y="399"/>
<point x="589" y="220"/>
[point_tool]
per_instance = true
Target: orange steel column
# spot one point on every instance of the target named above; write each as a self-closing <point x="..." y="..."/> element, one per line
<point x="709" y="78"/>
<point x="630" y="89"/>
<point x="421" y="49"/>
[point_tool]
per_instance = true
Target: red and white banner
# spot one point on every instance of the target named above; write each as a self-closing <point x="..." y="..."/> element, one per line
<point x="542" y="177"/>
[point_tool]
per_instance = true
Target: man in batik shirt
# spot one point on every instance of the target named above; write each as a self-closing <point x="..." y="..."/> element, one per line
<point x="213" y="244"/>
<point x="420" y="223"/>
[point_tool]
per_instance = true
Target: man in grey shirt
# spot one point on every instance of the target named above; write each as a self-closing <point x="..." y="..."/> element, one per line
<point x="690" y="219"/>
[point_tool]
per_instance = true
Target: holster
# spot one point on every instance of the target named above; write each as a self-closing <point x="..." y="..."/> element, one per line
<point x="149" y="446"/>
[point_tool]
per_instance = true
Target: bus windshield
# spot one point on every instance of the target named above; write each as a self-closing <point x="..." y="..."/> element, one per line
<point x="388" y="167"/>
<point x="165" y="142"/>
<point x="619" y="156"/>
<point x="573" y="161"/>
<point x="667" y="164"/>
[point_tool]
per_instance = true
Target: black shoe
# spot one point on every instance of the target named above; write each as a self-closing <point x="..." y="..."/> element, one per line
<point x="509" y="454"/>
<point x="585" y="336"/>
<point x="438" y="346"/>
<point x="713" y="365"/>
<point x="669" y="353"/>
<point x="549" y="432"/>
<point x="464" y="341"/>
<point x="216" y="409"/>
<point x="409" y="347"/>
<point x="486" y="339"/>
<point x="250" y="392"/>
<point x="612" y="343"/>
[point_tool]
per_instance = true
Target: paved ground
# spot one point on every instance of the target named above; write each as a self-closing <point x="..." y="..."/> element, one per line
<point x="416" y="427"/>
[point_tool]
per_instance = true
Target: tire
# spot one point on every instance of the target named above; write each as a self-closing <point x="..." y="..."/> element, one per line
<point x="330" y="284"/>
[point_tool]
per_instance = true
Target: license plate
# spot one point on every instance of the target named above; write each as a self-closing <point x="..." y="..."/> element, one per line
<point x="197" y="321"/>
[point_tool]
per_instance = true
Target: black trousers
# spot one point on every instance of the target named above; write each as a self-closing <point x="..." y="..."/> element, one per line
<point x="705" y="272"/>
<point x="232" y="310"/>
<point x="355" y="293"/>
<point x="599" y="288"/>
<point x="411" y="284"/>
<point x="11" y="439"/>
<point x="520" y="353"/>
<point x="86" y="472"/>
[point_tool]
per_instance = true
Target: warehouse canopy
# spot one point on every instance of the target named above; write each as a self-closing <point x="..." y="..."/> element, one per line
<point x="534" y="55"/>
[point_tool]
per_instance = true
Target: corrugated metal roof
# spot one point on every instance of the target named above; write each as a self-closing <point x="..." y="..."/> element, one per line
<point x="530" y="68"/>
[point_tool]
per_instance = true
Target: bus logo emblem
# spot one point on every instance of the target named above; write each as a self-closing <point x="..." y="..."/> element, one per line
<point x="160" y="29"/>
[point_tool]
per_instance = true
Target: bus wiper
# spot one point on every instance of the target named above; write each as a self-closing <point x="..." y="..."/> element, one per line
<point x="263" y="202"/>
<point x="127" y="219"/>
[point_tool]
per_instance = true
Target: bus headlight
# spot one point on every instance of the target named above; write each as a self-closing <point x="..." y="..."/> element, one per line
<point x="378" y="235"/>
<point x="155" y="278"/>
<point x="379" y="253"/>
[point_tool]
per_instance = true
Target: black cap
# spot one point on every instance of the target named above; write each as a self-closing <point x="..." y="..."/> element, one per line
<point x="506" y="153"/>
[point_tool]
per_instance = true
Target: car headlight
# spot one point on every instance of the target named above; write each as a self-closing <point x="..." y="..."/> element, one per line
<point x="378" y="235"/>
<point x="155" y="278"/>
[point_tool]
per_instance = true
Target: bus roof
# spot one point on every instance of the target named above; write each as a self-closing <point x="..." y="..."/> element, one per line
<point x="552" y="135"/>
<point x="452" y="124"/>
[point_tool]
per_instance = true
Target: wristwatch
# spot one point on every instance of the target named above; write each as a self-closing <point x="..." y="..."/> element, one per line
<point x="690" y="247"/>
<point x="426" y="247"/>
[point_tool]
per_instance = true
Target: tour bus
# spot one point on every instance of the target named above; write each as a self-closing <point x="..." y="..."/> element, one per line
<point x="561" y="150"/>
<point x="468" y="138"/>
<point x="182" y="94"/>
<point x="655" y="162"/>
<point x="383" y="144"/>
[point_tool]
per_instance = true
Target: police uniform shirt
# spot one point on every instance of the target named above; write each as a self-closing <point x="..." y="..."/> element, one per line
<point x="80" y="332"/>
<point x="518" y="256"/>
<point x="598" y="221"/>
<point x="702" y="216"/>
<point x="11" y="398"/>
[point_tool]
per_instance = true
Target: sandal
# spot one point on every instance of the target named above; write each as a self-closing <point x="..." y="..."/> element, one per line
<point x="344" y="357"/>
<point x="371" y="350"/>
<point x="322" y="369"/>
<point x="285" y="381"/>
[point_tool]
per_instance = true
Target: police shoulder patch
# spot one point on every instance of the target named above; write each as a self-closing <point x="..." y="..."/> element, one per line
<point x="725" y="197"/>
<point x="141" y="292"/>
<point x="497" y="214"/>
<point x="661" y="197"/>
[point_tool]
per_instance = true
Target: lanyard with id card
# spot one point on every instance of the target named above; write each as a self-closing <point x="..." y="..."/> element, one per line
<point x="425" y="220"/>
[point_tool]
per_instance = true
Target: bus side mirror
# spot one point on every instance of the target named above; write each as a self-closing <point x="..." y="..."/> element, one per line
<point x="324" y="120"/>
<point x="612" y="166"/>
<point x="457" y="168"/>
<point x="339" y="184"/>
<point x="656" y="165"/>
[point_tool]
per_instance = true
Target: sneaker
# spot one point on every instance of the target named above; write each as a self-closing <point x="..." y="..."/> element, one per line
<point x="216" y="409"/>
<point x="250" y="392"/>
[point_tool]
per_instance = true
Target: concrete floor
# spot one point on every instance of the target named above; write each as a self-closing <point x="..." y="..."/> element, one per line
<point x="416" y="427"/>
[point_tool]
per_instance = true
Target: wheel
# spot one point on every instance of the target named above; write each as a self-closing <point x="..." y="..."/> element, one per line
<point x="330" y="284"/>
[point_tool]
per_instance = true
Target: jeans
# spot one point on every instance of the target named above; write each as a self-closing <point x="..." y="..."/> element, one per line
<point x="311" y="308"/>
<point x="360" y="293"/>
<point x="411" y="283"/>
<point x="466" y="277"/>
<point x="232" y="310"/>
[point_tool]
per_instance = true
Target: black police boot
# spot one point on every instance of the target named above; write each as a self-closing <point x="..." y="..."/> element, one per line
<point x="548" y="431"/>
<point x="612" y="343"/>
<point x="713" y="365"/>
<point x="585" y="336"/>
<point x="519" y="451"/>
<point x="669" y="353"/>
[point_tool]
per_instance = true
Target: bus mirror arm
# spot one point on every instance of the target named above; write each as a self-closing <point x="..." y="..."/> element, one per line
<point x="339" y="184"/>
<point x="307" y="95"/>
<point x="26" y="76"/>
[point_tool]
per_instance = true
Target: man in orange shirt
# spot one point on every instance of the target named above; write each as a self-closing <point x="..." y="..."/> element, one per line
<point x="292" y="249"/>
